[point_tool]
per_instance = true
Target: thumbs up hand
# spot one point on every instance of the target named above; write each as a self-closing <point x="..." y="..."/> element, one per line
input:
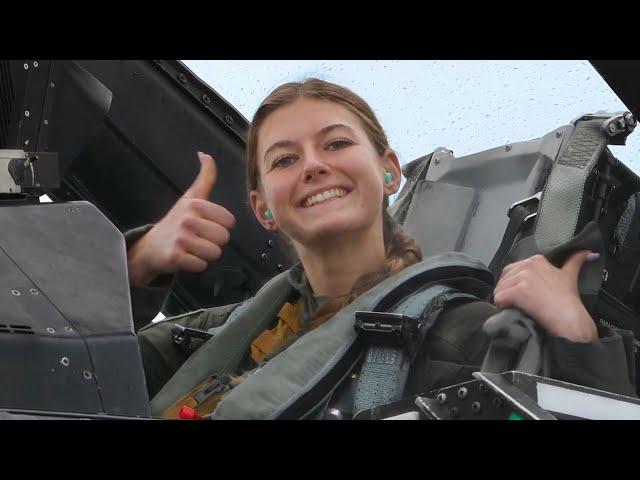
<point x="189" y="236"/>
<point x="549" y="295"/>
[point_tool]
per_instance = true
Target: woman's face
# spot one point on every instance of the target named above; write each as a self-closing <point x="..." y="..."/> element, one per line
<point x="319" y="174"/>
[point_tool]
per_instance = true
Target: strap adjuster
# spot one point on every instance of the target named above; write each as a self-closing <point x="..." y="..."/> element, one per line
<point x="189" y="339"/>
<point x="389" y="329"/>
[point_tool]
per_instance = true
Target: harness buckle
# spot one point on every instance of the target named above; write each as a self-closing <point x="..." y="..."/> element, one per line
<point x="189" y="339"/>
<point x="390" y="329"/>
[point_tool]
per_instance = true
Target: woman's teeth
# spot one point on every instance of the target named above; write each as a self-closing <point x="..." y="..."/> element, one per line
<point x="324" y="196"/>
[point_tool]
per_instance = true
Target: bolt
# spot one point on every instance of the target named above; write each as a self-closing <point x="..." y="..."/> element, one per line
<point x="87" y="374"/>
<point x="270" y="243"/>
<point x="26" y="66"/>
<point x="206" y="99"/>
<point x="263" y="257"/>
<point x="228" y="119"/>
<point x="558" y="134"/>
<point x="497" y="402"/>
<point x="26" y="113"/>
<point x="182" y="77"/>
<point x="64" y="361"/>
<point x="46" y="122"/>
<point x="33" y="291"/>
<point x="454" y="412"/>
<point x="462" y="393"/>
<point x="35" y="64"/>
<point x="442" y="398"/>
<point x="476" y="407"/>
<point x="631" y="120"/>
<point x="16" y="292"/>
<point x="507" y="148"/>
<point x="50" y="330"/>
<point x="52" y="85"/>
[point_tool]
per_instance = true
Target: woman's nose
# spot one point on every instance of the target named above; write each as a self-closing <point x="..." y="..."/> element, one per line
<point x="313" y="167"/>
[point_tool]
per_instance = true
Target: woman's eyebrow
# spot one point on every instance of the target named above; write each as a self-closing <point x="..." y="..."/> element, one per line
<point x="325" y="130"/>
<point x="279" y="144"/>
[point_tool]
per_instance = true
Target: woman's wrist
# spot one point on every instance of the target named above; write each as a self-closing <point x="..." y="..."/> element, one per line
<point x="140" y="272"/>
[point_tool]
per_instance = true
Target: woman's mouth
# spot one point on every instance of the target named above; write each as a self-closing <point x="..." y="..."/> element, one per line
<point x="325" y="196"/>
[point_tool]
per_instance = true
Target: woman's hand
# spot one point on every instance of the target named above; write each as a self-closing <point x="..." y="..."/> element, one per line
<point x="188" y="237"/>
<point x="549" y="295"/>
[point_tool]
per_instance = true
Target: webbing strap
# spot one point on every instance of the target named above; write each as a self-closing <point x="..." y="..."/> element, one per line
<point x="385" y="369"/>
<point x="560" y="204"/>
<point x="516" y="218"/>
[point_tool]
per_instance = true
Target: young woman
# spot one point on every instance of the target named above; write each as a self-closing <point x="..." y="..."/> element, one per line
<point x="320" y="171"/>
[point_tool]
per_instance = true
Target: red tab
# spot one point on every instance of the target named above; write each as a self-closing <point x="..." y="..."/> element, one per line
<point x="188" y="413"/>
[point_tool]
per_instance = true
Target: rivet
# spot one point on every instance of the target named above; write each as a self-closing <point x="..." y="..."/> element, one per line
<point x="206" y="99"/>
<point x="270" y="243"/>
<point x="16" y="292"/>
<point x="442" y="398"/>
<point x="263" y="257"/>
<point x="68" y="329"/>
<point x="35" y="64"/>
<point x="51" y="330"/>
<point x="46" y="122"/>
<point x="182" y="77"/>
<point x="228" y="119"/>
<point x="64" y="361"/>
<point x="33" y="291"/>
<point x="462" y="393"/>
<point x="87" y="374"/>
<point x="476" y="407"/>
<point x="26" y="113"/>
<point x="26" y="66"/>
<point x="52" y="85"/>
<point x="280" y="267"/>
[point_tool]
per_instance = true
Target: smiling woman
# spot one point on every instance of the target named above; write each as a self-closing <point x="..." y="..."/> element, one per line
<point x="320" y="171"/>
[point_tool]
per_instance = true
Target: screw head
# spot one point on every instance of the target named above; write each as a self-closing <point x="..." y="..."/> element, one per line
<point x="52" y="85"/>
<point x="442" y="398"/>
<point x="182" y="77"/>
<point x="51" y="330"/>
<point x="206" y="99"/>
<point x="34" y="291"/>
<point x="65" y="361"/>
<point x="270" y="243"/>
<point x="68" y="329"/>
<point x="16" y="293"/>
<point x="605" y="275"/>
<point x="26" y="113"/>
<point x="476" y="407"/>
<point x="46" y="122"/>
<point x="462" y="393"/>
<point x="263" y="257"/>
<point x="279" y="267"/>
<point x="612" y="128"/>
<point x="26" y="66"/>
<point x="87" y="374"/>
<point x="558" y="134"/>
<point x="228" y="119"/>
<point x="35" y="64"/>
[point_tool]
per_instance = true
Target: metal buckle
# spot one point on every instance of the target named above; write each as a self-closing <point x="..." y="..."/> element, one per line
<point x="393" y="329"/>
<point x="527" y="202"/>
<point x="189" y="339"/>
<point x="615" y="125"/>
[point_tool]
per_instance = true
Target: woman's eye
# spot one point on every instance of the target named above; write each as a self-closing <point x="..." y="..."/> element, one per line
<point x="338" y="143"/>
<point x="283" y="161"/>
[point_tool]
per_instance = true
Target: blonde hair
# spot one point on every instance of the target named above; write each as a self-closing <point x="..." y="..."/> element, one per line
<point x="400" y="249"/>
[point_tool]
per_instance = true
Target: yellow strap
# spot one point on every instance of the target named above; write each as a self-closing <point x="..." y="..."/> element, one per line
<point x="288" y="323"/>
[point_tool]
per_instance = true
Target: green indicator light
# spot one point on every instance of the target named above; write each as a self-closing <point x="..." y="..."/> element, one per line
<point x="515" y="416"/>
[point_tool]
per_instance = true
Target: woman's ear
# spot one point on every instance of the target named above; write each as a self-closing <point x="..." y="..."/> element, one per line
<point x="261" y="210"/>
<point x="392" y="165"/>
